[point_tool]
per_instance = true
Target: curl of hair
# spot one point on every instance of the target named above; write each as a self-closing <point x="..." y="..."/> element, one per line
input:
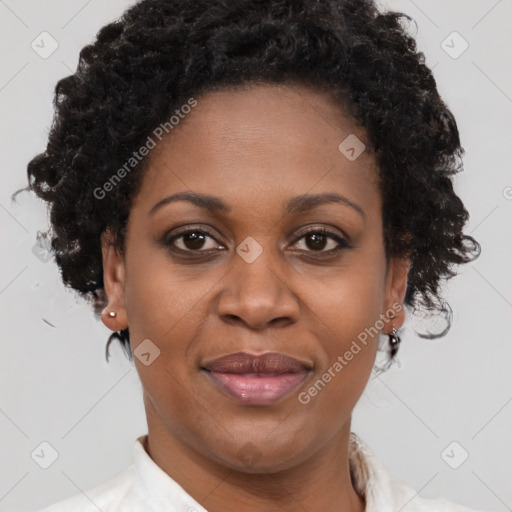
<point x="160" y="53"/>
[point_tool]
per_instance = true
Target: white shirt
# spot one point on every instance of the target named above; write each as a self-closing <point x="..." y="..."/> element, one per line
<point x="145" y="487"/>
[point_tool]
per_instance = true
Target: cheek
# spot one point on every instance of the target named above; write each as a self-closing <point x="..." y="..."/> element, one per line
<point x="329" y="399"/>
<point x="162" y="302"/>
<point x="349" y="300"/>
<point x="349" y="345"/>
<point x="350" y="338"/>
<point x="166" y="309"/>
<point x="347" y="313"/>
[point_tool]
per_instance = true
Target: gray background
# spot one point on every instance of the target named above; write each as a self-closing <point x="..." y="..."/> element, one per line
<point x="55" y="385"/>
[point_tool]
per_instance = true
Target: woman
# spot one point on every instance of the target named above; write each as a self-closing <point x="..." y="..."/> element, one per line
<point x="251" y="194"/>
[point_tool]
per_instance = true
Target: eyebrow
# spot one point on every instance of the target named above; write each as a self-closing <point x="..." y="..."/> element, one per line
<point x="296" y="204"/>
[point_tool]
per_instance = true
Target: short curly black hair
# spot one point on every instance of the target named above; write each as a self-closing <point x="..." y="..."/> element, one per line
<point x="160" y="53"/>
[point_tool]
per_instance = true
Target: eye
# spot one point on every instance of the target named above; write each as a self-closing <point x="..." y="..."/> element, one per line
<point x="193" y="240"/>
<point x="320" y="239"/>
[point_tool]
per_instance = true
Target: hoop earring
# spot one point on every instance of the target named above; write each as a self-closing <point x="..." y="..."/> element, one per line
<point x="394" y="342"/>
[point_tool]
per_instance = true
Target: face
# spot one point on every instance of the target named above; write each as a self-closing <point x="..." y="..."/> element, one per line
<point x="286" y="258"/>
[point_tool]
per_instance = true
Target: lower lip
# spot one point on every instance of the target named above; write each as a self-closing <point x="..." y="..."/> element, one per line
<point x="257" y="390"/>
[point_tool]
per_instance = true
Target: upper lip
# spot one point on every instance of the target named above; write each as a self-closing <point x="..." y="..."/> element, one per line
<point x="268" y="363"/>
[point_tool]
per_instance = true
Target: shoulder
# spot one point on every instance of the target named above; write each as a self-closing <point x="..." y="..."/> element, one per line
<point x="383" y="493"/>
<point x="143" y="486"/>
<point x="408" y="500"/>
<point x="104" y="497"/>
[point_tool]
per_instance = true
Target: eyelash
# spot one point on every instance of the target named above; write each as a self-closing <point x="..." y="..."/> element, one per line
<point x="342" y="244"/>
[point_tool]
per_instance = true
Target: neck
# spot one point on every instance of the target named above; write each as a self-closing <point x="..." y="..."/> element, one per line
<point x="320" y="482"/>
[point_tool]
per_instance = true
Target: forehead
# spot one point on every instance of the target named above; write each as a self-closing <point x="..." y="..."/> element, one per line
<point x="267" y="140"/>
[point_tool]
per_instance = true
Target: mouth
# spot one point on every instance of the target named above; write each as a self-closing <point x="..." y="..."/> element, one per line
<point x="257" y="379"/>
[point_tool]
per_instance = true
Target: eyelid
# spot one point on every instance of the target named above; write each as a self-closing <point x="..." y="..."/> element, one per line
<point x="321" y="229"/>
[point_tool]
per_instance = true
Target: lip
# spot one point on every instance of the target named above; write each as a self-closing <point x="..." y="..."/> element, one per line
<point x="257" y="379"/>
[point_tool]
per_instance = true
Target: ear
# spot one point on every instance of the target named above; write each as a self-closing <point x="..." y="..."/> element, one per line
<point x="114" y="282"/>
<point x="396" y="287"/>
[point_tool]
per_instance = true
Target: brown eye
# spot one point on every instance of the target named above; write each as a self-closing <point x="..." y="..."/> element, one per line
<point x="321" y="241"/>
<point x="316" y="241"/>
<point x="193" y="241"/>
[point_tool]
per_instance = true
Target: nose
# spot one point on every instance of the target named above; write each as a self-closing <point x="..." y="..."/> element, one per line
<point x="257" y="294"/>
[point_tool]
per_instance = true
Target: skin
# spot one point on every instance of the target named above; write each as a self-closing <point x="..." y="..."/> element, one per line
<point x="255" y="148"/>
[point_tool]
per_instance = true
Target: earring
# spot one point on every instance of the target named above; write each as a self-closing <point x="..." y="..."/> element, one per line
<point x="394" y="342"/>
<point x="112" y="314"/>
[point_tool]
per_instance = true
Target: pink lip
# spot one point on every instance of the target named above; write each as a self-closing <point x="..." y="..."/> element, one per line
<point x="257" y="379"/>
